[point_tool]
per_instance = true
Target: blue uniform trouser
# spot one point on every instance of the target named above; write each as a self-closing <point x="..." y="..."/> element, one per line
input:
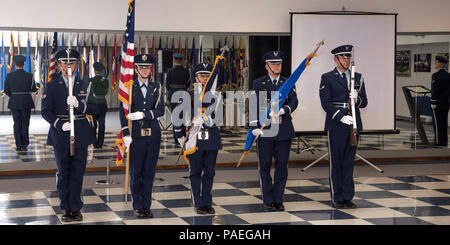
<point x="21" y="120"/>
<point x="70" y="173"/>
<point x="342" y="159"/>
<point x="143" y="159"/>
<point x="279" y="150"/>
<point x="201" y="185"/>
<point x="440" y="126"/>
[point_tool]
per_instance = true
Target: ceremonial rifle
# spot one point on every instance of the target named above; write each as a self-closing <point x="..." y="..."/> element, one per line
<point x="71" y="116"/>
<point x="353" y="127"/>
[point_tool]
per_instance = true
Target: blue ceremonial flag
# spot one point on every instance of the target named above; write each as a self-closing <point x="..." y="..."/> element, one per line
<point x="3" y="70"/>
<point x="278" y="101"/>
<point x="28" y="60"/>
<point x="62" y="41"/>
<point x="193" y="60"/>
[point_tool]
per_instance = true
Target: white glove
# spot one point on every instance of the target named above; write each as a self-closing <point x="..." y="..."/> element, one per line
<point x="127" y="142"/>
<point x="257" y="132"/>
<point x="135" y="116"/>
<point x="347" y="120"/>
<point x="433" y="106"/>
<point x="66" y="126"/>
<point x="353" y="95"/>
<point x="181" y="140"/>
<point x="198" y="121"/>
<point x="72" y="101"/>
<point x="275" y="115"/>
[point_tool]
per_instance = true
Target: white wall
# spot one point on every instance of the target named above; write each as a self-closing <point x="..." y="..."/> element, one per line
<point x="251" y="16"/>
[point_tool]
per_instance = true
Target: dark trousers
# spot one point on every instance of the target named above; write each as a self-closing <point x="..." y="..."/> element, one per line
<point x="201" y="185"/>
<point x="143" y="159"/>
<point x="21" y="120"/>
<point x="70" y="177"/>
<point x="440" y="125"/>
<point x="99" y="119"/>
<point x="342" y="159"/>
<point x="279" y="150"/>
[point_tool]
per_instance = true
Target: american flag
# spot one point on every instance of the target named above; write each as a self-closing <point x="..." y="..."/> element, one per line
<point x="126" y="74"/>
<point x="52" y="67"/>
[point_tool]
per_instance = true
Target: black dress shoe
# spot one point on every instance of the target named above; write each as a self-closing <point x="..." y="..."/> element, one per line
<point x="201" y="210"/>
<point x="77" y="216"/>
<point x="19" y="148"/>
<point x="66" y="216"/>
<point x="148" y="212"/>
<point x="340" y="204"/>
<point x="269" y="207"/>
<point x="140" y="213"/>
<point x="210" y="210"/>
<point x="278" y="206"/>
<point x="350" y="204"/>
<point x="24" y="148"/>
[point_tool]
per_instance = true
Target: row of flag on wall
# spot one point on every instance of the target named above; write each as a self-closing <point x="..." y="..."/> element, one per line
<point x="43" y="64"/>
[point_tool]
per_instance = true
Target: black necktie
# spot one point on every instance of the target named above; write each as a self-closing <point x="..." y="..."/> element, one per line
<point x="274" y="82"/>
<point x="345" y="78"/>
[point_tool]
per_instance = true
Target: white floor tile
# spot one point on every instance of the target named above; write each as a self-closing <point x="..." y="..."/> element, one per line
<point x="399" y="202"/>
<point x="153" y="221"/>
<point x="368" y="213"/>
<point x="307" y="205"/>
<point x="437" y="220"/>
<point x="341" y="222"/>
<point x="269" y="217"/>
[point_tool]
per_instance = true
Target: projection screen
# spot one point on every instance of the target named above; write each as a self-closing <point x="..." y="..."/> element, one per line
<point x="373" y="36"/>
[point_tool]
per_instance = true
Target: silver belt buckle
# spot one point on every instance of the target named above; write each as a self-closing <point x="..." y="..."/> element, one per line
<point x="203" y="135"/>
<point x="146" y="131"/>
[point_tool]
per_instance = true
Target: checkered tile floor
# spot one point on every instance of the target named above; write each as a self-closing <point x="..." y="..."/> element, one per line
<point x="412" y="200"/>
<point x="38" y="151"/>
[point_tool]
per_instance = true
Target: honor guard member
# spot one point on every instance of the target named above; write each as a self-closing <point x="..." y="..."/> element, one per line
<point x="334" y="96"/>
<point x="277" y="146"/>
<point x="440" y="89"/>
<point x="99" y="86"/>
<point x="178" y="79"/>
<point x="55" y="110"/>
<point x="145" y="138"/>
<point x="19" y="85"/>
<point x="208" y="144"/>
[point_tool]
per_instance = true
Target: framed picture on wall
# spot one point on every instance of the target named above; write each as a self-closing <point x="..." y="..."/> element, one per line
<point x="422" y="63"/>
<point x="403" y="63"/>
<point x="446" y="56"/>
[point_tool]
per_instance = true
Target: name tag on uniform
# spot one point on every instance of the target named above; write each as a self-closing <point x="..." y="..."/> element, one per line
<point x="203" y="135"/>
<point x="276" y="120"/>
<point x="146" y="131"/>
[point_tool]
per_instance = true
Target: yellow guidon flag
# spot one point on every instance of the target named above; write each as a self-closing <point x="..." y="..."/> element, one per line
<point x="190" y="144"/>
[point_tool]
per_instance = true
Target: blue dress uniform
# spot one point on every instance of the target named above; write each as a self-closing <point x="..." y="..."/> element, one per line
<point x="146" y="138"/>
<point x="18" y="86"/>
<point x="440" y="90"/>
<point x="334" y="98"/>
<point x="204" y="159"/>
<point x="277" y="146"/>
<point x="178" y="79"/>
<point x="55" y="111"/>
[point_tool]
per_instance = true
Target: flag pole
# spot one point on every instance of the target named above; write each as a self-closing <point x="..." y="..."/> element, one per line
<point x="127" y="166"/>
